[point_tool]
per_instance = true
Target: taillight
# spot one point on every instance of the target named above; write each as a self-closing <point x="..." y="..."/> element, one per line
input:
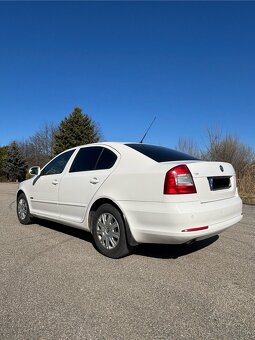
<point x="179" y="181"/>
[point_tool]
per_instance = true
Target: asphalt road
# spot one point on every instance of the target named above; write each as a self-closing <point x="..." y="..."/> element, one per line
<point x="55" y="285"/>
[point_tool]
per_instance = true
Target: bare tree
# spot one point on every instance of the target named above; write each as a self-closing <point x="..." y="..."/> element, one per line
<point x="38" y="149"/>
<point x="228" y="149"/>
<point x="187" y="145"/>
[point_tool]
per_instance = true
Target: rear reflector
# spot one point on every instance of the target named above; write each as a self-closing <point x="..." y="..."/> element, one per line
<point x="179" y="180"/>
<point x="195" y="229"/>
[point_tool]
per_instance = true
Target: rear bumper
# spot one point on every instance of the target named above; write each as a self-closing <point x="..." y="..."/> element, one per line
<point x="152" y="222"/>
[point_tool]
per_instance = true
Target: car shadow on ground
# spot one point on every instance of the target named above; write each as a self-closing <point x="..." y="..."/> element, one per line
<point x="163" y="251"/>
<point x="61" y="228"/>
<point x="172" y="251"/>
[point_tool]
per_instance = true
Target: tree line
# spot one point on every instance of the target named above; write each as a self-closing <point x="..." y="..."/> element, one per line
<point x="76" y="129"/>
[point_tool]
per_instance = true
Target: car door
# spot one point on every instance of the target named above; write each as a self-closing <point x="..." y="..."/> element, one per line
<point x="44" y="200"/>
<point x="88" y="171"/>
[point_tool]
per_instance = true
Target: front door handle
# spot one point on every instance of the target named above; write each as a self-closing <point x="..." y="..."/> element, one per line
<point x="94" y="180"/>
<point x="55" y="182"/>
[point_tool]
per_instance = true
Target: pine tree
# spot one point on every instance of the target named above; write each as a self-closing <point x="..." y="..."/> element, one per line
<point x="14" y="164"/>
<point x="76" y="129"/>
<point x="3" y="154"/>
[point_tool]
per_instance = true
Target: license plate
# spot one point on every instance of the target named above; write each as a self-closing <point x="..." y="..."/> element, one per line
<point x="219" y="183"/>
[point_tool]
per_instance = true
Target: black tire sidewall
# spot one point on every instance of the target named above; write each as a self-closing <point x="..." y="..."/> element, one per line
<point x="122" y="248"/>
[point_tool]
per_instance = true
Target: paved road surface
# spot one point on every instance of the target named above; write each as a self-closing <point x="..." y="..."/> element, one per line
<point x="55" y="285"/>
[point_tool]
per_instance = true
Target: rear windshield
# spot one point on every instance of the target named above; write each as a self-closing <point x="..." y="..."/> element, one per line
<point x="160" y="153"/>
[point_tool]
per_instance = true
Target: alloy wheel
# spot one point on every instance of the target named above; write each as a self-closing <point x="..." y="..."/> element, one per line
<point x="108" y="230"/>
<point x="22" y="209"/>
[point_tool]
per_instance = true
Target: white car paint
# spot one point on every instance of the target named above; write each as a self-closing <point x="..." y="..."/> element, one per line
<point x="135" y="184"/>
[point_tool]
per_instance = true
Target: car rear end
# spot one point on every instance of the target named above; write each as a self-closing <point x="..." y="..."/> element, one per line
<point x="208" y="202"/>
<point x="196" y="200"/>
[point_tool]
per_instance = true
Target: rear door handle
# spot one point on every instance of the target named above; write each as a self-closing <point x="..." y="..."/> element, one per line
<point x="55" y="182"/>
<point x="94" y="180"/>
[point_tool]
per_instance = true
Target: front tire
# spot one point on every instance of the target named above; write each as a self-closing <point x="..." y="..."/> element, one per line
<point x="23" y="211"/>
<point x="109" y="232"/>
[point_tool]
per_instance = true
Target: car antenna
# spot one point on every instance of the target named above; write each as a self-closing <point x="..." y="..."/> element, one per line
<point x="141" y="141"/>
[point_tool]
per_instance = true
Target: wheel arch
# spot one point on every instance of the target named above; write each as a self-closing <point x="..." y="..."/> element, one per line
<point x="20" y="192"/>
<point x="104" y="200"/>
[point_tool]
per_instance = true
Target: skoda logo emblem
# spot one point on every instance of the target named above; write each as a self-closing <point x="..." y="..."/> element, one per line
<point x="221" y="168"/>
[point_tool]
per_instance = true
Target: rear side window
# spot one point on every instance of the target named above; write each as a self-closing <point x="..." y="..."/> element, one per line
<point x="160" y="153"/>
<point x="86" y="159"/>
<point x="93" y="158"/>
<point x="106" y="160"/>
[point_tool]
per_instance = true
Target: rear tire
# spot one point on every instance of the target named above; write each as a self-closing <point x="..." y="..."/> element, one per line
<point x="108" y="230"/>
<point x="23" y="211"/>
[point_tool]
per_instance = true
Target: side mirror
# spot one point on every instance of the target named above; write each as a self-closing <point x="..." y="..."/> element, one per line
<point x="35" y="171"/>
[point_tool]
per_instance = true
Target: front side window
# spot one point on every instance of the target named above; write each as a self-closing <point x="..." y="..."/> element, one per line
<point x="57" y="165"/>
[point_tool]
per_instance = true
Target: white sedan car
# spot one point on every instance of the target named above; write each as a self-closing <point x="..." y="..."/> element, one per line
<point x="131" y="193"/>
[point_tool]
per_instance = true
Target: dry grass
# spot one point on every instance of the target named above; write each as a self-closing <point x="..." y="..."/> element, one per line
<point x="246" y="183"/>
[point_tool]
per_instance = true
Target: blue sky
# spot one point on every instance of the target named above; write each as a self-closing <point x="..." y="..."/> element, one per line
<point x="192" y="64"/>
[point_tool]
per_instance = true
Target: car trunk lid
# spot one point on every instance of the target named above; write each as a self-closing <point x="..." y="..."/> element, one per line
<point x="213" y="180"/>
